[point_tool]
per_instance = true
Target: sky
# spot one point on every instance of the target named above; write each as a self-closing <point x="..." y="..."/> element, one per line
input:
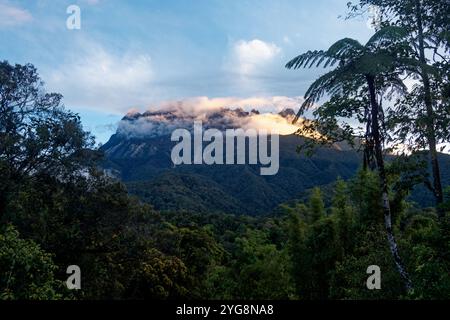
<point x="137" y="55"/>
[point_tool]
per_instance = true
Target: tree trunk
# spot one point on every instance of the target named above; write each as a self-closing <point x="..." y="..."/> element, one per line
<point x="430" y="123"/>
<point x="375" y="111"/>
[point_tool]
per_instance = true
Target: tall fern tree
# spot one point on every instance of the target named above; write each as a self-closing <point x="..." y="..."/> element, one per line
<point x="360" y="77"/>
<point x="427" y="23"/>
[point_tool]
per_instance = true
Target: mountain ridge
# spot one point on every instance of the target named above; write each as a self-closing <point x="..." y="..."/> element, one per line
<point x="143" y="162"/>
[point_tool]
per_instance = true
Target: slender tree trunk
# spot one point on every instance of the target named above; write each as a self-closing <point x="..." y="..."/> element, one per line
<point x="431" y="133"/>
<point x="375" y="111"/>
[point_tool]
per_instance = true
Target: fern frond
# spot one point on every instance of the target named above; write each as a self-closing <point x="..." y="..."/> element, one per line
<point x="389" y="33"/>
<point x="306" y="58"/>
<point x="345" y="48"/>
<point x="325" y="83"/>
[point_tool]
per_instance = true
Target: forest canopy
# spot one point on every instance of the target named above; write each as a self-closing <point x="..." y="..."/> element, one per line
<point x="58" y="207"/>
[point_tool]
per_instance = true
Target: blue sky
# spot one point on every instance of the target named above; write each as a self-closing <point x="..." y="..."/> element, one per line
<point x="135" y="54"/>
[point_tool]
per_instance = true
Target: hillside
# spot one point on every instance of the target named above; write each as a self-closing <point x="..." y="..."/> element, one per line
<point x="145" y="166"/>
<point x="139" y="154"/>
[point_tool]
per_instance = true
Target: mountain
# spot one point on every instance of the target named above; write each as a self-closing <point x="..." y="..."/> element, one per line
<point x="140" y="155"/>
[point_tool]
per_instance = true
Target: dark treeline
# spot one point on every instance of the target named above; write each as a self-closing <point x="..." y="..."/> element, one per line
<point x="58" y="208"/>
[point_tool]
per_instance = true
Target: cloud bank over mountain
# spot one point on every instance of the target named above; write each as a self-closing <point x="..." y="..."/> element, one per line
<point x="273" y="114"/>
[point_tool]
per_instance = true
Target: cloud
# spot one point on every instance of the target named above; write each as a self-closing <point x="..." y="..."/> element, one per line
<point x="248" y="57"/>
<point x="221" y="113"/>
<point x="13" y="16"/>
<point x="199" y="105"/>
<point x="94" y="77"/>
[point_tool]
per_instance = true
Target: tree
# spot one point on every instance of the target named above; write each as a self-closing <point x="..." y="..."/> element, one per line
<point x="157" y="276"/>
<point x="364" y="72"/>
<point x="349" y="277"/>
<point x="262" y="269"/>
<point x="37" y="134"/>
<point x="26" y="271"/>
<point x="316" y="206"/>
<point x="297" y="252"/>
<point x="324" y="251"/>
<point x="426" y="23"/>
<point x="344" y="213"/>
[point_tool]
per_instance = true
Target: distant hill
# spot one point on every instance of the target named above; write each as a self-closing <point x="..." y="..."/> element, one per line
<point x="143" y="162"/>
<point x="146" y="167"/>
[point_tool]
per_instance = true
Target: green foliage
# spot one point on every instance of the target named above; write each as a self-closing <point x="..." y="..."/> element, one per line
<point x="349" y="278"/>
<point x="354" y="63"/>
<point x="314" y="247"/>
<point x="26" y="271"/>
<point x="262" y="269"/>
<point x="324" y="250"/>
<point x="61" y="210"/>
<point x="38" y="136"/>
<point x="297" y="249"/>
<point x="420" y="117"/>
<point x="329" y="257"/>
<point x="316" y="206"/>
<point x="344" y="213"/>
<point x="157" y="276"/>
<point x="366" y="197"/>
<point x="427" y="242"/>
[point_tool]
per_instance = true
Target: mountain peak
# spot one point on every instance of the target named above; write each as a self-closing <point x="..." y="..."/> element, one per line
<point x="287" y="113"/>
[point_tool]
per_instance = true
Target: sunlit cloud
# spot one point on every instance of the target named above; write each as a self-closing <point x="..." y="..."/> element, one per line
<point x="204" y="104"/>
<point x="259" y="113"/>
<point x="249" y="57"/>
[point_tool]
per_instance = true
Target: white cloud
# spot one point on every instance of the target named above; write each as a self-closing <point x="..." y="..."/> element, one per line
<point x="251" y="56"/>
<point x="96" y="78"/>
<point x="198" y="105"/>
<point x="13" y="16"/>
